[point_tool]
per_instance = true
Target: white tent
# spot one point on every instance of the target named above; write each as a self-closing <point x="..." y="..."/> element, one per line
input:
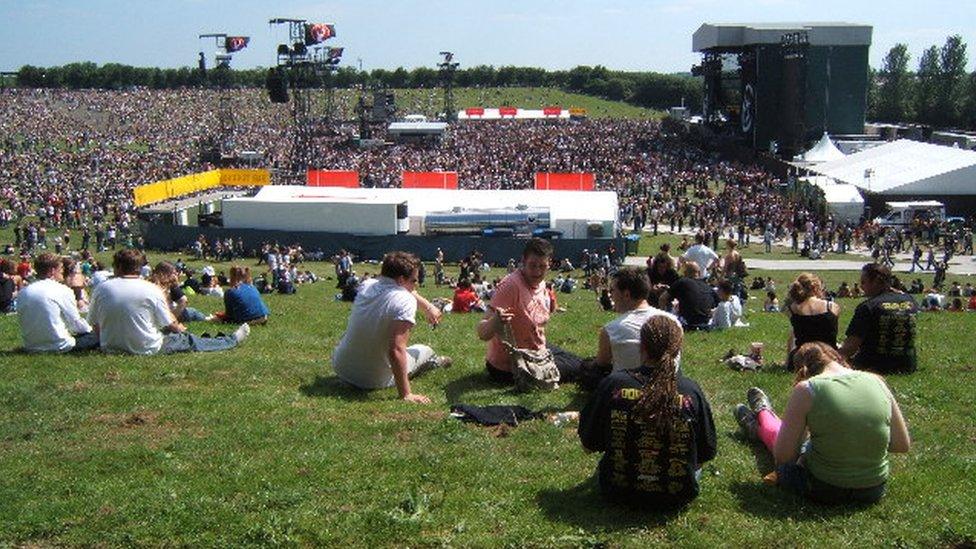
<point x="844" y="201"/>
<point x="906" y="168"/>
<point x="823" y="151"/>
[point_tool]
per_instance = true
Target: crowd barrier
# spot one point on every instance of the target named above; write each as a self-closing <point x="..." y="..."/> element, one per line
<point x="332" y="178"/>
<point x="188" y="184"/>
<point x="430" y="180"/>
<point x="497" y="250"/>
<point x="545" y="181"/>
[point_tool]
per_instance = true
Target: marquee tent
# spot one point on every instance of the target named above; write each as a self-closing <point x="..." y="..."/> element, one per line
<point x="905" y="168"/>
<point x="823" y="151"/>
<point x="844" y="201"/>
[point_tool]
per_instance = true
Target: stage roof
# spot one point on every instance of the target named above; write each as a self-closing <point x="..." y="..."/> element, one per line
<point x="906" y="167"/>
<point x="731" y="36"/>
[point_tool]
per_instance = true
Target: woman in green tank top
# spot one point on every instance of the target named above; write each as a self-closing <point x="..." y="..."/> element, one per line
<point x="853" y="422"/>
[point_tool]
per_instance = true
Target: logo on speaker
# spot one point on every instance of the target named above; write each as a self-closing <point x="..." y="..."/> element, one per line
<point x="748" y="115"/>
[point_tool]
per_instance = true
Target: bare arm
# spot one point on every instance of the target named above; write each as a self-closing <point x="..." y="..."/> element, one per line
<point x="604" y="354"/>
<point x="900" y="441"/>
<point x="850" y="347"/>
<point x="492" y="323"/>
<point x="794" y="426"/>
<point x="180" y="307"/>
<point x="431" y="312"/>
<point x="397" y="353"/>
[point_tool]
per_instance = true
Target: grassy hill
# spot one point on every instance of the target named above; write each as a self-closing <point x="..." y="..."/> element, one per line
<point x="262" y="445"/>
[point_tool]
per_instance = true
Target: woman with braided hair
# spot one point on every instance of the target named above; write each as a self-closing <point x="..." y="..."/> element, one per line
<point x="653" y="425"/>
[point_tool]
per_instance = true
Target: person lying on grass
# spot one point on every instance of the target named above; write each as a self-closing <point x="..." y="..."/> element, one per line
<point x="373" y="352"/>
<point x="653" y="425"/>
<point x="853" y="422"/>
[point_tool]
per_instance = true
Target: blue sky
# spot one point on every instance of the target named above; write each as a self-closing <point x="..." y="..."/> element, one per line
<point x="619" y="34"/>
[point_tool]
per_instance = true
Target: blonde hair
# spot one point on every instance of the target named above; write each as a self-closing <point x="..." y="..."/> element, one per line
<point x="805" y="286"/>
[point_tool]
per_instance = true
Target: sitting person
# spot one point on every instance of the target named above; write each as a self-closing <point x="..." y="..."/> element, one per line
<point x="48" y="312"/>
<point x="728" y="312"/>
<point x="373" y="352"/>
<point x="812" y="318"/>
<point x="696" y="299"/>
<point x="167" y="276"/>
<point x="130" y="315"/>
<point x="209" y="285"/>
<point x="465" y="299"/>
<point x="853" y="422"/>
<point x="844" y="290"/>
<point x="771" y="303"/>
<point x="519" y="311"/>
<point x="76" y="280"/>
<point x="881" y="334"/>
<point x="653" y="425"/>
<point x="619" y="340"/>
<point x="242" y="302"/>
<point x="956" y="305"/>
<point x="9" y="286"/>
<point x="933" y="301"/>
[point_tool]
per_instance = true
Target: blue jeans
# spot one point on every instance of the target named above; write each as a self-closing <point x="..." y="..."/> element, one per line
<point x="186" y="342"/>
<point x="797" y="479"/>
<point x="192" y="315"/>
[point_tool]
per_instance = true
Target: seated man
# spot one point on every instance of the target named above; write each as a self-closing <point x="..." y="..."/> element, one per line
<point x="728" y="312"/>
<point x="521" y="307"/>
<point x="619" y="340"/>
<point x="48" y="312"/>
<point x="465" y="299"/>
<point x="696" y="299"/>
<point x="130" y="315"/>
<point x="373" y="353"/>
<point x="881" y="335"/>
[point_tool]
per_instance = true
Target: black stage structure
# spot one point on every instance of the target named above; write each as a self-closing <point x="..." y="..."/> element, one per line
<point x="776" y="87"/>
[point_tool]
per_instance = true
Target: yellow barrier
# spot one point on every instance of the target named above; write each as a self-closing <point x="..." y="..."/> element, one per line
<point x="189" y="184"/>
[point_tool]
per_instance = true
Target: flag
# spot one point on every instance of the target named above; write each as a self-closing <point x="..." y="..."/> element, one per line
<point x="316" y="33"/>
<point x="335" y="53"/>
<point x="236" y="43"/>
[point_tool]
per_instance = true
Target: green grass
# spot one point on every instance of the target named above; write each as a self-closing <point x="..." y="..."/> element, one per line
<point x="261" y="445"/>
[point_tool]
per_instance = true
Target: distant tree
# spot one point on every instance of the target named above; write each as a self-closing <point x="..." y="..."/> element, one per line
<point x="952" y="81"/>
<point x="894" y="90"/>
<point x="927" y="86"/>
<point x="968" y="116"/>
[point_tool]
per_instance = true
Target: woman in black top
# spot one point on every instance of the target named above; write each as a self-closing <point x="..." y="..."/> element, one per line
<point x="812" y="317"/>
<point x="653" y="425"/>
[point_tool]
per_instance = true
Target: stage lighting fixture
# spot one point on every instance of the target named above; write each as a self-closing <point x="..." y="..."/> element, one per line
<point x="300" y="49"/>
<point x="283" y="50"/>
<point x="277" y="86"/>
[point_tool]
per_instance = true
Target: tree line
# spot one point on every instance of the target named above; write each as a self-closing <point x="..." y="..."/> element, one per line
<point x="645" y="89"/>
<point x="938" y="93"/>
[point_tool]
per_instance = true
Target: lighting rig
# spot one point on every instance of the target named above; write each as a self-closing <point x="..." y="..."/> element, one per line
<point x="447" y="68"/>
<point x="222" y="144"/>
<point x="301" y="64"/>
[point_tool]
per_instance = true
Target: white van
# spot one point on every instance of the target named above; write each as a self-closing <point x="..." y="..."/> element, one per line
<point x="903" y="213"/>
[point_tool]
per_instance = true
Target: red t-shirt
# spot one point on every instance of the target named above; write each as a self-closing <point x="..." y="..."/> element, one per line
<point x="464" y="300"/>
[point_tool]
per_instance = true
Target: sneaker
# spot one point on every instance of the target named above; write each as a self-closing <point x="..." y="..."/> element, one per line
<point x="241" y="333"/>
<point x="747" y="421"/>
<point x="441" y="361"/>
<point x="758" y="400"/>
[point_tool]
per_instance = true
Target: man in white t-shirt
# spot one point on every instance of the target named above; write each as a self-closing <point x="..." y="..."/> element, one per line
<point x="701" y="254"/>
<point x="373" y="353"/>
<point x="48" y="312"/>
<point x="619" y="340"/>
<point x="130" y="315"/>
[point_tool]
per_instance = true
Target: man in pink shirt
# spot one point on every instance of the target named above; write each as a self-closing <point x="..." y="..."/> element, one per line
<point x="521" y="302"/>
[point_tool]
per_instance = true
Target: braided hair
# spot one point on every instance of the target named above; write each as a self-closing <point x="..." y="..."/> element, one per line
<point x="659" y="404"/>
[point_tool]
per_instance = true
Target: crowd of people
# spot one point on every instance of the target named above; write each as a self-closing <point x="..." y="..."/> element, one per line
<point x="70" y="160"/>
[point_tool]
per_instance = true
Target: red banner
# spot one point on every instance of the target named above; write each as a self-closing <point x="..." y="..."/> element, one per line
<point x="507" y="111"/>
<point x="475" y="111"/>
<point x="316" y="33"/>
<point x="545" y="181"/>
<point x="552" y="111"/>
<point x="332" y="178"/>
<point x="430" y="180"/>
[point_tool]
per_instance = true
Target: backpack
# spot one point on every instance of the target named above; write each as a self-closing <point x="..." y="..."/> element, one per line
<point x="533" y="369"/>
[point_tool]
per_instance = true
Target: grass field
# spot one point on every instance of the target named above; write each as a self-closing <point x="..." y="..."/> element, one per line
<point x="262" y="446"/>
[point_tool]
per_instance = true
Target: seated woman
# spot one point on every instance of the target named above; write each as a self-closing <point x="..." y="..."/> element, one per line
<point x="812" y="317"/>
<point x="667" y="421"/>
<point x="853" y="421"/>
<point x="242" y="302"/>
<point x="77" y="281"/>
<point x="771" y="304"/>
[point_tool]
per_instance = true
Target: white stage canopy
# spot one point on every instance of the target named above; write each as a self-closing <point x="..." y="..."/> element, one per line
<point x="844" y="201"/>
<point x="823" y="151"/>
<point x="907" y="168"/>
